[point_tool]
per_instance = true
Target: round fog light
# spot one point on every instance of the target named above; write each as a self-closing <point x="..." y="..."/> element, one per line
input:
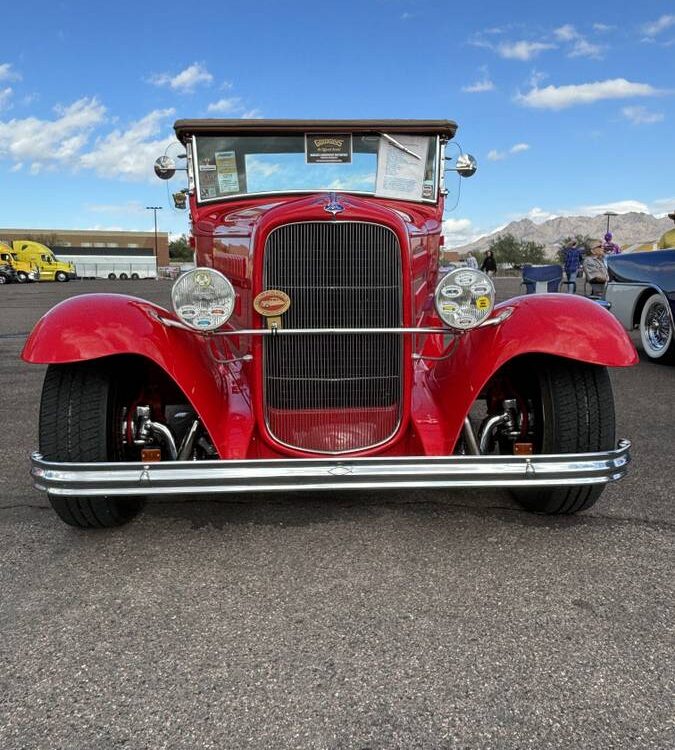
<point x="464" y="298"/>
<point x="203" y="299"/>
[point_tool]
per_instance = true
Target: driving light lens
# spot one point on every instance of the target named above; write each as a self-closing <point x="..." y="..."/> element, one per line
<point x="203" y="299"/>
<point x="464" y="298"/>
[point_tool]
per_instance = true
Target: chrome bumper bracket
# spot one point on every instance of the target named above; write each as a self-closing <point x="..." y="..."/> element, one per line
<point x="286" y="474"/>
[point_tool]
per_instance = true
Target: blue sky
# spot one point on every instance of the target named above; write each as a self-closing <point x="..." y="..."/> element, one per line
<point x="569" y="107"/>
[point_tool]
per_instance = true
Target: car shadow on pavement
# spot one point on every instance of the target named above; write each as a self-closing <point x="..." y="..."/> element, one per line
<point x="294" y="510"/>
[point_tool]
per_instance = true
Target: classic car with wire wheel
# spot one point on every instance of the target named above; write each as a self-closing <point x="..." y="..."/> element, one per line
<point x="641" y="291"/>
<point x="316" y="346"/>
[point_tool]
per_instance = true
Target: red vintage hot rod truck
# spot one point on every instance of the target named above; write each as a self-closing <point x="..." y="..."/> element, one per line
<point x="315" y="346"/>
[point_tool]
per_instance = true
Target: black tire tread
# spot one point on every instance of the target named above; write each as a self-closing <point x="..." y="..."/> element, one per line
<point x="74" y="427"/>
<point x="579" y="408"/>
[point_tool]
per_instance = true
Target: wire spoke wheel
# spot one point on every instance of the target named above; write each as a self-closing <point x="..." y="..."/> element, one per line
<point x="656" y="330"/>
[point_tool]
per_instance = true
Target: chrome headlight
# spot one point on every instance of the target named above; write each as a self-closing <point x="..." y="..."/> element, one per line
<point x="203" y="299"/>
<point x="464" y="298"/>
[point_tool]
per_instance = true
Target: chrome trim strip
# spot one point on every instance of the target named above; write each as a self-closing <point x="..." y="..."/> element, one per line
<point x="493" y="321"/>
<point x="374" y="472"/>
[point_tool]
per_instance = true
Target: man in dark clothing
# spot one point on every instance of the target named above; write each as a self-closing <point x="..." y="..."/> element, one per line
<point x="573" y="258"/>
<point x="489" y="264"/>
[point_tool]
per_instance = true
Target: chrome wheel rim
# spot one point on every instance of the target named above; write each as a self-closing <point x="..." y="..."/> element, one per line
<point x="657" y="327"/>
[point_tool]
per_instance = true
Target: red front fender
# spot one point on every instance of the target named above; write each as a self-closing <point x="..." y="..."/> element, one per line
<point x="557" y="324"/>
<point x="91" y="326"/>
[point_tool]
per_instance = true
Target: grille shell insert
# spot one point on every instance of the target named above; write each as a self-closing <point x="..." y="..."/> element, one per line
<point x="334" y="393"/>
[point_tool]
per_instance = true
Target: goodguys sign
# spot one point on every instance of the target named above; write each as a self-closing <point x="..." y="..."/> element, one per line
<point x="328" y="148"/>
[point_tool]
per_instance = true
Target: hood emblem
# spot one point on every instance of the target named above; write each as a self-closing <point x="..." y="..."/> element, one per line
<point x="333" y="206"/>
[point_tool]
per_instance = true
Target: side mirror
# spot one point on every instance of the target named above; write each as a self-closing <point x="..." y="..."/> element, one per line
<point x="180" y="199"/>
<point x="466" y="165"/>
<point x="165" y="167"/>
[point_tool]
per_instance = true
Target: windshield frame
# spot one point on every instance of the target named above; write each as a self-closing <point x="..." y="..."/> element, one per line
<point x="193" y="178"/>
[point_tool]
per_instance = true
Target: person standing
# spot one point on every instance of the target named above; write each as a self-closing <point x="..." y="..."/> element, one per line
<point x="471" y="262"/>
<point x="573" y="259"/>
<point x="489" y="264"/>
<point x="596" y="270"/>
<point x="609" y="246"/>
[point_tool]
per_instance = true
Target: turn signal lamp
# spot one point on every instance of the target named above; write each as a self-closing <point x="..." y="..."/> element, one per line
<point x="464" y="298"/>
<point x="203" y="299"/>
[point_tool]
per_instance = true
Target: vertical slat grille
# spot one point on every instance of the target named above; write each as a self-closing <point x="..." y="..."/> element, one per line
<point x="334" y="393"/>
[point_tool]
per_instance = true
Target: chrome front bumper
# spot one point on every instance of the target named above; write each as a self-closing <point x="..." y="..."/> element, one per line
<point x="208" y="477"/>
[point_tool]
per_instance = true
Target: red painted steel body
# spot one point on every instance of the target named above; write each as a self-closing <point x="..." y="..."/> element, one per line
<point x="230" y="237"/>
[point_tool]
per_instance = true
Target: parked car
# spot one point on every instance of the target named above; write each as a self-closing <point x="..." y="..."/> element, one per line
<point x="316" y="347"/>
<point x="7" y="274"/>
<point x="641" y="291"/>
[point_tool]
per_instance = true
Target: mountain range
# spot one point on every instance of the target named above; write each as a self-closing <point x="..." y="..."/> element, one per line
<point x="628" y="229"/>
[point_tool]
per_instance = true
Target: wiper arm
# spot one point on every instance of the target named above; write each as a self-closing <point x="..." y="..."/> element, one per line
<point x="400" y="146"/>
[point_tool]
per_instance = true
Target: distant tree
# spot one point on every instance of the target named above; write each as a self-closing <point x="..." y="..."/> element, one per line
<point x="507" y="249"/>
<point x="179" y="249"/>
<point x="531" y="252"/>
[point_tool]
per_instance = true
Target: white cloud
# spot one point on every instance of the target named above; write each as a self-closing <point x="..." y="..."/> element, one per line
<point x="7" y="74"/>
<point x="566" y="33"/>
<point x="641" y="115"/>
<point x="603" y="28"/>
<point x="227" y="105"/>
<point x="44" y="143"/>
<point x="619" y="207"/>
<point x="518" y="148"/>
<point x="481" y="85"/>
<point x="654" y="28"/>
<point x="185" y="81"/>
<point x="5" y="96"/>
<point x="580" y="46"/>
<point x="560" y="97"/>
<point x="522" y="50"/>
<point x="251" y="114"/>
<point x="458" y="232"/>
<point x="583" y="48"/>
<point x="264" y="169"/>
<point x="539" y="215"/>
<point x="130" y="153"/>
<point x="17" y="167"/>
<point x="661" y="202"/>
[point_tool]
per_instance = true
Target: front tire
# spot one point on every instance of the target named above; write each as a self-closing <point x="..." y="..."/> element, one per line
<point x="22" y="277"/>
<point x="61" y="276"/>
<point x="80" y="418"/>
<point x="571" y="406"/>
<point x="656" y="331"/>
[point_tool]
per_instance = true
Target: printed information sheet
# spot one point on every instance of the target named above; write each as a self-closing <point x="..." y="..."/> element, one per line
<point x="226" y="168"/>
<point x="401" y="175"/>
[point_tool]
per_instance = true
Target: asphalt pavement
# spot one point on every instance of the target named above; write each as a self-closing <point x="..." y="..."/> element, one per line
<point x="424" y="619"/>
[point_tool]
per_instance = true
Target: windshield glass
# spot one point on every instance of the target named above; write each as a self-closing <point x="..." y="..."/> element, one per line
<point x="401" y="166"/>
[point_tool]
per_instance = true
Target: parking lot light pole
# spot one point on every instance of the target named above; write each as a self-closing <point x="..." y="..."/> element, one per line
<point x="154" y="209"/>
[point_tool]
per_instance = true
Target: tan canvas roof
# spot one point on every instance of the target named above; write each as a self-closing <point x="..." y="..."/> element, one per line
<point x="186" y="128"/>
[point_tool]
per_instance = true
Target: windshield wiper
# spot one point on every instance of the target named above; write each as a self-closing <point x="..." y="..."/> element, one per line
<point x="394" y="142"/>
